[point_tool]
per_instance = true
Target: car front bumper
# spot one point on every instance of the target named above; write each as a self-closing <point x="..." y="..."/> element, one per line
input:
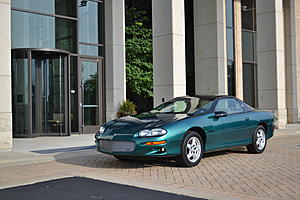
<point x="137" y="147"/>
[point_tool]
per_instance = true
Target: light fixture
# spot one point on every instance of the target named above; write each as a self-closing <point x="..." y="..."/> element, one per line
<point x="83" y="3"/>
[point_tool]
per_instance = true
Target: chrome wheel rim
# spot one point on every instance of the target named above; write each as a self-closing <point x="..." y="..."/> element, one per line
<point x="260" y="139"/>
<point x="193" y="149"/>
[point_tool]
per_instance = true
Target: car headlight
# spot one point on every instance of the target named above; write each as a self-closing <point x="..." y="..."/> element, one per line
<point x="101" y="130"/>
<point x="153" y="132"/>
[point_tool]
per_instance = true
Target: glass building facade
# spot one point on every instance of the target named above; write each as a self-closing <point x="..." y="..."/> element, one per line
<point x="58" y="55"/>
<point x="230" y="44"/>
<point x="249" y="52"/>
<point x="57" y="66"/>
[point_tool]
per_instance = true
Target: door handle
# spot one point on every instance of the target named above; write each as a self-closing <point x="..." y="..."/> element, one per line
<point x="247" y="119"/>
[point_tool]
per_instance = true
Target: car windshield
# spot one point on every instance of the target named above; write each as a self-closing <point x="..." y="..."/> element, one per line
<point x="187" y="105"/>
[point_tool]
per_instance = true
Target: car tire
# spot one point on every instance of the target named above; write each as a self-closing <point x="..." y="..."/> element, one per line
<point x="259" y="140"/>
<point x="191" y="150"/>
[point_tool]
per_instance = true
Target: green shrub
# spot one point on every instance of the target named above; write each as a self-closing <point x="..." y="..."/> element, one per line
<point x="126" y="108"/>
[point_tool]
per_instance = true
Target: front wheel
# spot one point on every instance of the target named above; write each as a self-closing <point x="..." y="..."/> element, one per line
<point x="191" y="150"/>
<point x="259" y="140"/>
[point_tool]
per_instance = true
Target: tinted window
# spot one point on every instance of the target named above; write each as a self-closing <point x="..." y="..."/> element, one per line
<point x="41" y="31"/>
<point x="246" y="107"/>
<point x="230" y="106"/>
<point x="91" y="23"/>
<point x="184" y="105"/>
<point x="59" y="7"/>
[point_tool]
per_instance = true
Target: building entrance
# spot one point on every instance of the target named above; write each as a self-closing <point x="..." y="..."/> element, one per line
<point x="92" y="99"/>
<point x="40" y="97"/>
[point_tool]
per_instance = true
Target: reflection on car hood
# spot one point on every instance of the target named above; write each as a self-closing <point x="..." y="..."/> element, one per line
<point x="159" y="119"/>
<point x="132" y="124"/>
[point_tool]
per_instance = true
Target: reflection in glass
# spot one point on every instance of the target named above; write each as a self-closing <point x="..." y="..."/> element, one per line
<point x="230" y="44"/>
<point x="38" y="31"/>
<point x="229" y="13"/>
<point x="231" y="78"/>
<point x="65" y="35"/>
<point x="30" y="30"/>
<point x="48" y="93"/>
<point x="90" y="50"/>
<point x="248" y="15"/>
<point x="66" y="7"/>
<point x="45" y="6"/>
<point x="189" y="47"/>
<point x="90" y="93"/>
<point x="45" y="103"/>
<point x="91" y="23"/>
<point x="74" y="93"/>
<point x="249" y="83"/>
<point x="59" y="7"/>
<point x="20" y="94"/>
<point x="248" y="46"/>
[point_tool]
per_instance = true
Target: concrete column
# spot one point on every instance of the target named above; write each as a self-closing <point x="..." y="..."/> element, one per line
<point x="297" y="17"/>
<point x="238" y="49"/>
<point x="292" y="48"/>
<point x="5" y="77"/>
<point x="210" y="47"/>
<point x="271" y="59"/>
<point x="114" y="56"/>
<point x="168" y="49"/>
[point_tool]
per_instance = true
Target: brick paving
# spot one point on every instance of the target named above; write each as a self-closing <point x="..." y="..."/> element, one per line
<point x="233" y="174"/>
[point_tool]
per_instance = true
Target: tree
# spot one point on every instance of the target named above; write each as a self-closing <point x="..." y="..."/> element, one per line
<point x="139" y="68"/>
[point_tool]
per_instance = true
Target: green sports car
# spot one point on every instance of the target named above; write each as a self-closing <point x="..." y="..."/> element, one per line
<point x="186" y="127"/>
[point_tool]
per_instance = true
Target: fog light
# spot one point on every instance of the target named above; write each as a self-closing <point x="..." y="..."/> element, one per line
<point x="156" y="143"/>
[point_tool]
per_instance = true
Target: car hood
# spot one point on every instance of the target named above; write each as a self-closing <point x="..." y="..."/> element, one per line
<point x="130" y="125"/>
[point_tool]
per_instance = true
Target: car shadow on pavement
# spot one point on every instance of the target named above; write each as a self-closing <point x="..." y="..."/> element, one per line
<point x="99" y="160"/>
<point x="227" y="151"/>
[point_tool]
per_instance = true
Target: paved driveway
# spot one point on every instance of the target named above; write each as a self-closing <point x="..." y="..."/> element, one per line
<point x="234" y="174"/>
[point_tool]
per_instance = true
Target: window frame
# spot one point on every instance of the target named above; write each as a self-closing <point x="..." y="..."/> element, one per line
<point x="232" y="98"/>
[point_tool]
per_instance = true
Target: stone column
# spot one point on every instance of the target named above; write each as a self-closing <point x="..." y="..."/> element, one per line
<point x="168" y="49"/>
<point x="292" y="48"/>
<point x="5" y="77"/>
<point x="238" y="49"/>
<point x="114" y="56"/>
<point x="210" y="47"/>
<point x="271" y="59"/>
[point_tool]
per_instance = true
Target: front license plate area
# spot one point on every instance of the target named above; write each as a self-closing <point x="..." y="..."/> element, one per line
<point x="117" y="146"/>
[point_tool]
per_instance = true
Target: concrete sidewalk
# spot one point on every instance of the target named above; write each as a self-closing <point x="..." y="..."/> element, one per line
<point x="44" y="149"/>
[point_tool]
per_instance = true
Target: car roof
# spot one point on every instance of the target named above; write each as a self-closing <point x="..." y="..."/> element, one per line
<point x="211" y="97"/>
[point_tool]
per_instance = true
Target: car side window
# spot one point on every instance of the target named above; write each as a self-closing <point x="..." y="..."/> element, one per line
<point x="230" y="106"/>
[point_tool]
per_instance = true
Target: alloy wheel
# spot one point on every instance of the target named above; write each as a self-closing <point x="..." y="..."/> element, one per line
<point x="193" y="149"/>
<point x="260" y="139"/>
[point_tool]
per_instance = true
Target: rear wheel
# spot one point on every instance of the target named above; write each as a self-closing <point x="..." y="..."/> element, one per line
<point x="259" y="140"/>
<point x="191" y="150"/>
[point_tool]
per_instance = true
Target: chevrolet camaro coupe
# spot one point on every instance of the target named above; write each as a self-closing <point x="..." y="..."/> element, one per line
<point x="186" y="127"/>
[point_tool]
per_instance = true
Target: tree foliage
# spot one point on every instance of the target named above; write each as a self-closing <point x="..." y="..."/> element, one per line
<point x="139" y="68"/>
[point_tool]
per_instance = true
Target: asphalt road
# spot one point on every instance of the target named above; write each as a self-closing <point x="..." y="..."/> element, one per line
<point x="79" y="188"/>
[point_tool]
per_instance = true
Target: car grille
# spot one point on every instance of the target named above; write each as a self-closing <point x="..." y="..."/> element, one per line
<point x="116" y="146"/>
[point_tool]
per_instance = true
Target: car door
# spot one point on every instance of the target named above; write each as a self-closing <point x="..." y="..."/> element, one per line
<point x="229" y="129"/>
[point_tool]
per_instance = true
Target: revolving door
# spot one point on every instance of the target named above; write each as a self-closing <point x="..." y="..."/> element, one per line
<point x="40" y="97"/>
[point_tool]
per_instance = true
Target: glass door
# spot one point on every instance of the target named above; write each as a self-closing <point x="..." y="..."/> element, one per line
<point x="48" y="96"/>
<point x="91" y="95"/>
<point x="20" y="92"/>
<point x="40" y="92"/>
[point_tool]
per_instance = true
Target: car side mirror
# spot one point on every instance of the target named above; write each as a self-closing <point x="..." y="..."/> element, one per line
<point x="219" y="114"/>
